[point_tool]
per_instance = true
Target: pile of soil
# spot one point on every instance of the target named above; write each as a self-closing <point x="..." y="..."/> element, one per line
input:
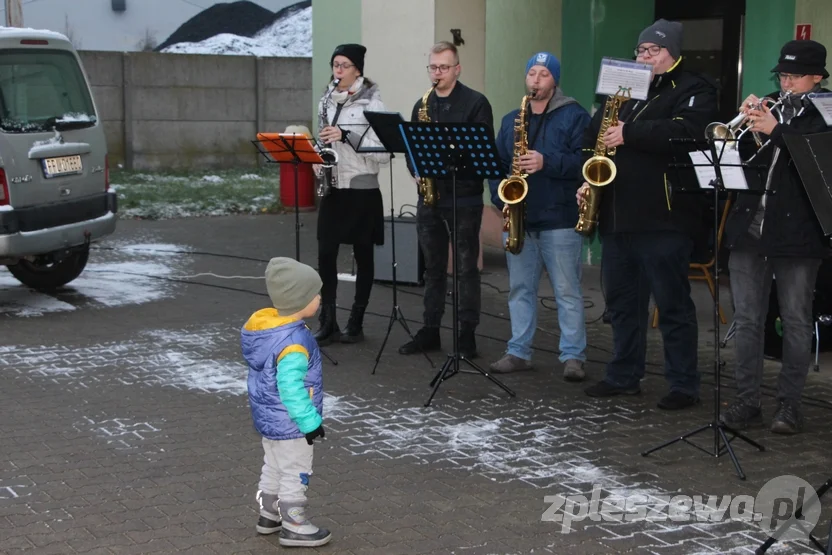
<point x="242" y="18"/>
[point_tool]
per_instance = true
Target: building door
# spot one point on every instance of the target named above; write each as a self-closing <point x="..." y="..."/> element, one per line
<point x="712" y="43"/>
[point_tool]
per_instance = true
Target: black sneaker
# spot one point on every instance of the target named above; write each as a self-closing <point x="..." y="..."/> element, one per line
<point x="606" y="389"/>
<point x="426" y="339"/>
<point x="676" y="400"/>
<point x="741" y="415"/>
<point x="268" y="526"/>
<point x="467" y="343"/>
<point x="787" y="419"/>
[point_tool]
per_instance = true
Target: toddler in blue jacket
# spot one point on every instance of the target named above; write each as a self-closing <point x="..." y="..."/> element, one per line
<point x="285" y="391"/>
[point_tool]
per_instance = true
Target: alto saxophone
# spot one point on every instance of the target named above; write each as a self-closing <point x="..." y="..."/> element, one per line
<point x="599" y="170"/>
<point x="328" y="174"/>
<point x="513" y="189"/>
<point x="427" y="186"/>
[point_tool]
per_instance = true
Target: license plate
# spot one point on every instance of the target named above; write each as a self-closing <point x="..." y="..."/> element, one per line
<point x="65" y="165"/>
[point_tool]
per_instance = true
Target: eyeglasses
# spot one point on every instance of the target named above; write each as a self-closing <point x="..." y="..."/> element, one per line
<point x="345" y="65"/>
<point x="439" y="69"/>
<point x="653" y="50"/>
<point x="790" y="76"/>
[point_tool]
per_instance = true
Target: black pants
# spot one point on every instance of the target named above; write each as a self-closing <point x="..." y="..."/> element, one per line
<point x="328" y="270"/>
<point x="633" y="265"/>
<point x="433" y="240"/>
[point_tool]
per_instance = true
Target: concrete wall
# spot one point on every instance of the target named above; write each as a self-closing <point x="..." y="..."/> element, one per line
<point x="181" y="111"/>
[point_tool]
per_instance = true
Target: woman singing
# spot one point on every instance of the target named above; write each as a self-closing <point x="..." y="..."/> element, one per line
<point x="351" y="212"/>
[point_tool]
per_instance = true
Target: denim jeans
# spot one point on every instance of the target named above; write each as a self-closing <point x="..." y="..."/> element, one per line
<point x="751" y="276"/>
<point x="433" y="229"/>
<point x="632" y="266"/>
<point x="560" y="251"/>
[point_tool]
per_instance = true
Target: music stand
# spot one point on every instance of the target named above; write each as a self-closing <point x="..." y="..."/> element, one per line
<point x="295" y="149"/>
<point x="386" y="127"/>
<point x="810" y="154"/>
<point x="713" y="158"/>
<point x="452" y="150"/>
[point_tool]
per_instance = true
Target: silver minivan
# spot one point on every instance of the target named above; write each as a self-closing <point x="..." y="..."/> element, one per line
<point x="55" y="196"/>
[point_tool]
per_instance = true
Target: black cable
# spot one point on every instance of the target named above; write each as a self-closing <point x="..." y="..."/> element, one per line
<point x="814" y="402"/>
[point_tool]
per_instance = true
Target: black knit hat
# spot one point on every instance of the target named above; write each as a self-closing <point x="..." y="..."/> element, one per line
<point x="353" y="52"/>
<point x="804" y="57"/>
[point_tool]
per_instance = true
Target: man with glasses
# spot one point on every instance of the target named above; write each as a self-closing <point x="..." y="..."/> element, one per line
<point x="646" y="231"/>
<point x="450" y="102"/>
<point x="777" y="235"/>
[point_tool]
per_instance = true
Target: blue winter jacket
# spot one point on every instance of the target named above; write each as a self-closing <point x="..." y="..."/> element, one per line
<point x="550" y="203"/>
<point x="285" y="382"/>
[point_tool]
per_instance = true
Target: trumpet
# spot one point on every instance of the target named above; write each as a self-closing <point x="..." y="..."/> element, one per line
<point x="328" y="173"/>
<point x="734" y="130"/>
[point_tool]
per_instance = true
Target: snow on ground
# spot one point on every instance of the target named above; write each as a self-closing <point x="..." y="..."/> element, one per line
<point x="124" y="279"/>
<point x="289" y="37"/>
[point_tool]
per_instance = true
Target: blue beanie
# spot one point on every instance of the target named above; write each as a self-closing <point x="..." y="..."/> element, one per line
<point x="548" y="61"/>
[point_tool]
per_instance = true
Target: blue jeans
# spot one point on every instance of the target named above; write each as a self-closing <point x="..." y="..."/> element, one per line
<point x="560" y="251"/>
<point x="632" y="266"/>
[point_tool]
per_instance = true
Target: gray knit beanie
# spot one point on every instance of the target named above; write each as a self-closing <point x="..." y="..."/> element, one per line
<point x="664" y="33"/>
<point x="291" y="285"/>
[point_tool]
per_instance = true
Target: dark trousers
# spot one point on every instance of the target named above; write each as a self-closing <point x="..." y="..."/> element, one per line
<point x="433" y="228"/>
<point x="328" y="269"/>
<point x="751" y="276"/>
<point x="633" y="265"/>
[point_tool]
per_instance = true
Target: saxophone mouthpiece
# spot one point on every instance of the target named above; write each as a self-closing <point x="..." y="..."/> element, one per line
<point x="533" y="94"/>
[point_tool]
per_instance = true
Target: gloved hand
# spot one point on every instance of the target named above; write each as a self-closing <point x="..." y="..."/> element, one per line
<point x="317" y="432"/>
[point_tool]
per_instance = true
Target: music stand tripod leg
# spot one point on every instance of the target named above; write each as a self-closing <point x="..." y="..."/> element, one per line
<point x="396" y="313"/>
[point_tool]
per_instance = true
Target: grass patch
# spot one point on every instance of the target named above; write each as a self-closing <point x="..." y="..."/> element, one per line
<point x="180" y="194"/>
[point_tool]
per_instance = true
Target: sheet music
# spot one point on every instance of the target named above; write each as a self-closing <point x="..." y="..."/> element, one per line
<point x="823" y="102"/>
<point x="617" y="73"/>
<point x="732" y="175"/>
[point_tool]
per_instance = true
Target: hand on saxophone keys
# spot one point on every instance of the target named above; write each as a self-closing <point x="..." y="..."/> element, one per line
<point x="330" y="134"/>
<point x="583" y="191"/>
<point x="530" y="162"/>
<point x="614" y="136"/>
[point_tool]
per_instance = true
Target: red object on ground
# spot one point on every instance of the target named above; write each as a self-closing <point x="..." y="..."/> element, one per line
<point x="306" y="186"/>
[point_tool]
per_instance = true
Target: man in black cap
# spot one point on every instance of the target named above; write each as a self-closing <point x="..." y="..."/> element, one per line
<point x="646" y="231"/>
<point x="777" y="234"/>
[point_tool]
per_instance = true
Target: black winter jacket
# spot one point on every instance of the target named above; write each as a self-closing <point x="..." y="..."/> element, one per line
<point x="790" y="227"/>
<point x="463" y="105"/>
<point x="680" y="104"/>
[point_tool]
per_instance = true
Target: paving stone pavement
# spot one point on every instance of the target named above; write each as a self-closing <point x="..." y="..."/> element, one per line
<point x="126" y="427"/>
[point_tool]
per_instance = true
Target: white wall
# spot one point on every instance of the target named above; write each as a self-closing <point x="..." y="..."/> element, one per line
<point x="93" y="25"/>
<point x="396" y="60"/>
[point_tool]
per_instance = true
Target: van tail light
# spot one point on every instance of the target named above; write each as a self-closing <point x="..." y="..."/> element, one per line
<point x="4" y="188"/>
<point x="106" y="173"/>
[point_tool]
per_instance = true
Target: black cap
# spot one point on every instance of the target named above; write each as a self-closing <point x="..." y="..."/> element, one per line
<point x="353" y="52"/>
<point x="802" y="57"/>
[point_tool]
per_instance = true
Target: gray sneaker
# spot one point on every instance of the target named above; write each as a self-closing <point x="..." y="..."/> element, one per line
<point x="573" y="370"/>
<point x="510" y="363"/>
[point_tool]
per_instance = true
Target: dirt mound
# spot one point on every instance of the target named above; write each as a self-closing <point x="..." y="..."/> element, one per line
<point x="242" y="18"/>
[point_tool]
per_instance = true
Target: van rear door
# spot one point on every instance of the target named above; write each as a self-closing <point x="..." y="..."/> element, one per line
<point x="51" y="143"/>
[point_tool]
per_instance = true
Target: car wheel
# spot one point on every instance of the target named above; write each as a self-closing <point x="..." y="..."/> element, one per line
<point x="48" y="277"/>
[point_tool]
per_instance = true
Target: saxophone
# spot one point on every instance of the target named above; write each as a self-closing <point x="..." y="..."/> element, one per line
<point x="600" y="170"/>
<point x="327" y="176"/>
<point x="427" y="186"/>
<point x="513" y="189"/>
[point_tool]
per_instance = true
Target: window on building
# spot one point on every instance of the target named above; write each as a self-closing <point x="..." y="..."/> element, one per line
<point x="119" y="5"/>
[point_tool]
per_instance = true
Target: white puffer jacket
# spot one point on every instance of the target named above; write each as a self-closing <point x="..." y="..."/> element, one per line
<point x="351" y="118"/>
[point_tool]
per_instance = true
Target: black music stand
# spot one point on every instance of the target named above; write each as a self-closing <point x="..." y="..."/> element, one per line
<point x="810" y="154"/>
<point x="796" y="516"/>
<point x="453" y="150"/>
<point x="386" y="127"/>
<point x="713" y="157"/>
<point x="295" y="149"/>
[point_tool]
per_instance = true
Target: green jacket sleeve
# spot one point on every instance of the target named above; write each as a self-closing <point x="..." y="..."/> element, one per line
<point x="291" y="369"/>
